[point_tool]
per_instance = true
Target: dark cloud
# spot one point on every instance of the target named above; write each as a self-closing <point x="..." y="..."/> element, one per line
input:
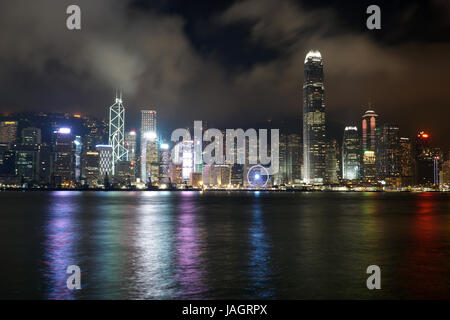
<point x="151" y="56"/>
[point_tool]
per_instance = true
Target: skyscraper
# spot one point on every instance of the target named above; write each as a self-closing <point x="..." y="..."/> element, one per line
<point x="332" y="163"/>
<point x="91" y="172"/>
<point x="293" y="159"/>
<point x="105" y="161"/>
<point x="64" y="159"/>
<point x="149" y="147"/>
<point x="31" y="136"/>
<point x="164" y="163"/>
<point x="427" y="161"/>
<point x="369" y="145"/>
<point x="116" y="131"/>
<point x="130" y="145"/>
<point x="406" y="162"/>
<point x="8" y="131"/>
<point x="389" y="153"/>
<point x="351" y="154"/>
<point x="198" y="147"/>
<point x="313" y="119"/>
<point x="187" y="160"/>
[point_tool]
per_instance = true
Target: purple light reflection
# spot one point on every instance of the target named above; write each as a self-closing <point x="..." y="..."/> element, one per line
<point x="189" y="267"/>
<point x="61" y="233"/>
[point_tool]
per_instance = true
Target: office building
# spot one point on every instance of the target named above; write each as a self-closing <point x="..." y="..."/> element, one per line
<point x="149" y="147"/>
<point x="314" y="139"/>
<point x="351" y="154"/>
<point x="91" y="170"/>
<point x="31" y="136"/>
<point x="8" y="131"/>
<point x="369" y="146"/>
<point x="117" y="131"/>
<point x="105" y="162"/>
<point x="406" y="162"/>
<point x="131" y="144"/>
<point x="63" y="173"/>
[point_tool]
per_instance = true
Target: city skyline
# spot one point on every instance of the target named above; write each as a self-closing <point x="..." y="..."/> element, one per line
<point x="226" y="83"/>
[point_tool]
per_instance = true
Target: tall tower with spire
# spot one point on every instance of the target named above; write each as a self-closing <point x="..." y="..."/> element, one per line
<point x="313" y="119"/>
<point x="117" y="131"/>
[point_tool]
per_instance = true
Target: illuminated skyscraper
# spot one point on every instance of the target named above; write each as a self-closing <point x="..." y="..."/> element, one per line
<point x="446" y="172"/>
<point x="428" y="161"/>
<point x="149" y="147"/>
<point x="332" y="163"/>
<point x="64" y="159"/>
<point x="198" y="147"/>
<point x="389" y="152"/>
<point x="313" y="119"/>
<point x="105" y="161"/>
<point x="187" y="160"/>
<point x="164" y="163"/>
<point x="125" y="174"/>
<point x="8" y="131"/>
<point x="130" y="145"/>
<point x="31" y="136"/>
<point x="351" y="154"/>
<point x="77" y="146"/>
<point x="406" y="162"/>
<point x="116" y="131"/>
<point x="369" y="145"/>
<point x="90" y="172"/>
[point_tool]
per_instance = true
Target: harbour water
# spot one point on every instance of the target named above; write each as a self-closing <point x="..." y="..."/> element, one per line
<point x="224" y="245"/>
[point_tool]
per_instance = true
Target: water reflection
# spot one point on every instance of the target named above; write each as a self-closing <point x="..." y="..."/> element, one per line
<point x="61" y="229"/>
<point x="426" y="257"/>
<point x="154" y="242"/>
<point x="186" y="245"/>
<point x="259" y="260"/>
<point x="189" y="250"/>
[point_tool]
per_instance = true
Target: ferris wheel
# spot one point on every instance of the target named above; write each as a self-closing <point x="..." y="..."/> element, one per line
<point x="257" y="176"/>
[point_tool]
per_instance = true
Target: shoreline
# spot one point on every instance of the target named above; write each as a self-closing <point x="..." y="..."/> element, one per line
<point x="213" y="190"/>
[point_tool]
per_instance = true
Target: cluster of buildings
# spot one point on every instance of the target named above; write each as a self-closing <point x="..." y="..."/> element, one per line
<point x="71" y="151"/>
<point x="373" y="154"/>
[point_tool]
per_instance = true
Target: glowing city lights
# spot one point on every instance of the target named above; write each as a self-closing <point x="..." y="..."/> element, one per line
<point x="64" y="130"/>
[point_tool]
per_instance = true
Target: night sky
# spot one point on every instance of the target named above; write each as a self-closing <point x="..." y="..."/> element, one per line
<point x="235" y="64"/>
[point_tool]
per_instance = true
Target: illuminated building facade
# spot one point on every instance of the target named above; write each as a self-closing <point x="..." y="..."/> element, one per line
<point x="105" y="164"/>
<point x="332" y="162"/>
<point x="175" y="173"/>
<point x="237" y="175"/>
<point x="369" y="145"/>
<point x="149" y="147"/>
<point x="389" y="154"/>
<point x="164" y="167"/>
<point x="187" y="159"/>
<point x="313" y="119"/>
<point x="351" y="154"/>
<point x="77" y="160"/>
<point x="131" y="144"/>
<point x="124" y="174"/>
<point x="90" y="169"/>
<point x="446" y="172"/>
<point x="8" y="131"/>
<point x="27" y="162"/>
<point x="64" y="158"/>
<point x="221" y="175"/>
<point x="195" y="179"/>
<point x="406" y="162"/>
<point x="428" y="161"/>
<point x="117" y="131"/>
<point x="96" y="133"/>
<point x="198" y="147"/>
<point x="31" y="136"/>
